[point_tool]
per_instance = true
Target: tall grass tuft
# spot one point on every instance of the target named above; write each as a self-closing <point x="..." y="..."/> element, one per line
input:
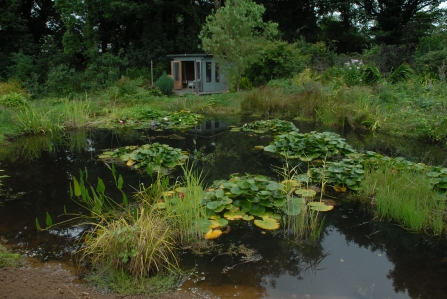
<point x="308" y="224"/>
<point x="141" y="244"/>
<point x="187" y="208"/>
<point x="76" y="113"/>
<point x="406" y="197"/>
<point x="37" y="121"/>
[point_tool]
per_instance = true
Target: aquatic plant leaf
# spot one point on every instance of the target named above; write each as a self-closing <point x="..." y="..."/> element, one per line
<point x="320" y="206"/>
<point x="214" y="205"/>
<point x="213" y="234"/>
<point x="222" y="221"/>
<point x="100" y="187"/>
<point x="248" y="217"/>
<point x="130" y="162"/>
<point x="279" y="202"/>
<point x="236" y="190"/>
<point x="267" y="223"/>
<point x="257" y="209"/>
<point x="294" y="206"/>
<point x="234" y="215"/>
<point x="76" y="187"/>
<point x="120" y="182"/>
<point x="339" y="188"/>
<point x="48" y="220"/>
<point x="306" y="192"/>
<point x="214" y="224"/>
<point x="219" y="193"/>
<point x="38" y="224"/>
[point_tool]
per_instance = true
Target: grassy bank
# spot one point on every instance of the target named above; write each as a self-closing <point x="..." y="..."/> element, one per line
<point x="411" y="108"/>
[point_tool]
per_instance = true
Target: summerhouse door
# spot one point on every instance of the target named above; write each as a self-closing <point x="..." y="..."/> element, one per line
<point x="176" y="71"/>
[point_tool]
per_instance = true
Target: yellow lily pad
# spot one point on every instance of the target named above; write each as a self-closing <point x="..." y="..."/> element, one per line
<point x="267" y="223"/>
<point x="214" y="224"/>
<point x="213" y="234"/>
<point x="339" y="189"/>
<point x="130" y="162"/>
<point x="234" y="215"/>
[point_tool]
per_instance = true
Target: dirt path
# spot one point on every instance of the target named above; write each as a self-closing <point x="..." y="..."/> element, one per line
<point x="53" y="282"/>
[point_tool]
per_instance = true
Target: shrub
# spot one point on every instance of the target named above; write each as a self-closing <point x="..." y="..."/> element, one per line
<point x="12" y="86"/>
<point x="62" y="80"/>
<point x="165" y="84"/>
<point x="13" y="99"/>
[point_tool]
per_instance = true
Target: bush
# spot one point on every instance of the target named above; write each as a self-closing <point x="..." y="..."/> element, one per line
<point x="63" y="80"/>
<point x="276" y="60"/>
<point x="13" y="99"/>
<point x="165" y="84"/>
<point x="12" y="86"/>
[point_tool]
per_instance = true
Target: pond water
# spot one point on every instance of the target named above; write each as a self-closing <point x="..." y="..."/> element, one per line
<point x="356" y="256"/>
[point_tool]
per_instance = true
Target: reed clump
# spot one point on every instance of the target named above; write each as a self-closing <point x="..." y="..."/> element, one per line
<point x="405" y="196"/>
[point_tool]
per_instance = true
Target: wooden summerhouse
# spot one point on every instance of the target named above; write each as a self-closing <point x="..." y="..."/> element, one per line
<point x="198" y="73"/>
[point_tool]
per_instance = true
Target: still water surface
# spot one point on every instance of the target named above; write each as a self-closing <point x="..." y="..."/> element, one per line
<point x="356" y="256"/>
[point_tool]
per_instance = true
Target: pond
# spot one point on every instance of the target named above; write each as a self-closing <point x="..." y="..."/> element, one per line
<point x="356" y="255"/>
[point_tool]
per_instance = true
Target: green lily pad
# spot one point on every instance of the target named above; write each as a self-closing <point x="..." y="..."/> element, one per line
<point x="248" y="217"/>
<point x="320" y="206"/>
<point x="293" y="206"/>
<point x="257" y="209"/>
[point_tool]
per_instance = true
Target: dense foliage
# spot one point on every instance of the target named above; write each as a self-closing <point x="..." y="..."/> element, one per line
<point x="71" y="46"/>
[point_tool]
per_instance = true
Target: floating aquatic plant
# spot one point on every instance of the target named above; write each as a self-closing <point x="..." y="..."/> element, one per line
<point x="270" y="126"/>
<point x="153" y="156"/>
<point x="309" y="146"/>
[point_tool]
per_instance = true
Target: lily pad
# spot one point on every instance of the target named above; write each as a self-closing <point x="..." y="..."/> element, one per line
<point x="248" y="217"/>
<point x="234" y="215"/>
<point x="267" y="223"/>
<point x="320" y="206"/>
<point x="213" y="234"/>
<point x="306" y="192"/>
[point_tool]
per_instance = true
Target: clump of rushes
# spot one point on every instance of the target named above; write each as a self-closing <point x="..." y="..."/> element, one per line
<point x="141" y="244"/>
<point x="406" y="196"/>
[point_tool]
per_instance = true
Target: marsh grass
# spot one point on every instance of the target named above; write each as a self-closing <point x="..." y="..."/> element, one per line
<point x="121" y="282"/>
<point x="308" y="224"/>
<point x="406" y="197"/>
<point x="193" y="103"/>
<point x="141" y="244"/>
<point x="76" y="113"/>
<point x="187" y="208"/>
<point x="8" y="259"/>
<point x="37" y="121"/>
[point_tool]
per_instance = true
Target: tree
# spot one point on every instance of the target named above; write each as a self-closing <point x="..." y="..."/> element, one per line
<point x="234" y="34"/>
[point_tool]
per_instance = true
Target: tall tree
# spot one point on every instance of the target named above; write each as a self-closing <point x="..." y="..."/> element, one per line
<point x="234" y="33"/>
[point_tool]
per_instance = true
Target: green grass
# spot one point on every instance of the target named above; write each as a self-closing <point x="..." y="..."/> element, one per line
<point x="120" y="282"/>
<point x="8" y="259"/>
<point x="406" y="197"/>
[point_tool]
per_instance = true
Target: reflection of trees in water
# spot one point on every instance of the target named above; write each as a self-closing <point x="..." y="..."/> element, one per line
<point x="234" y="153"/>
<point x="417" y="258"/>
